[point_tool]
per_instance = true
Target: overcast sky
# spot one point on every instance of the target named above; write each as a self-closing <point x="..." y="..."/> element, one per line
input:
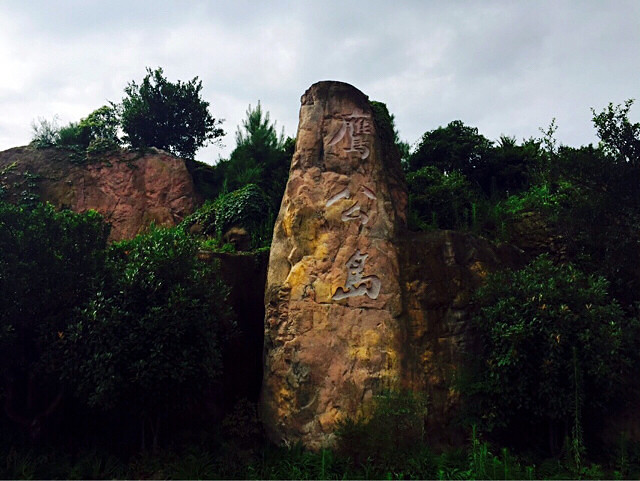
<point x="506" y="67"/>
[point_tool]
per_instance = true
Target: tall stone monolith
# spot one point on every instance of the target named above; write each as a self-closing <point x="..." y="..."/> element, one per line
<point x="333" y="295"/>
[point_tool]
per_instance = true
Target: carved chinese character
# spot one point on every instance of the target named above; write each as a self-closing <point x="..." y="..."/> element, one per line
<point x="357" y="284"/>
<point x="355" y="125"/>
<point x="343" y="194"/>
<point x="354" y="212"/>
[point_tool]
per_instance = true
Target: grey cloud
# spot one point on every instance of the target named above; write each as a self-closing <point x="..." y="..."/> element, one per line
<point x="504" y="67"/>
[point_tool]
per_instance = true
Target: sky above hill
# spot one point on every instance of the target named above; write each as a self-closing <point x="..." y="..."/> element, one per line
<point x="502" y="66"/>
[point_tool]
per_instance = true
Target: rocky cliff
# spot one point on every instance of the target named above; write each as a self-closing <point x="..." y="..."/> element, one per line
<point x="130" y="189"/>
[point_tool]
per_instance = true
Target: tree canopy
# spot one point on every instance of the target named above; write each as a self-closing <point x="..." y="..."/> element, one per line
<point x="170" y="116"/>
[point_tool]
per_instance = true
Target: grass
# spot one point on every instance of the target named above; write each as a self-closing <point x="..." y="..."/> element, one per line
<point x="478" y="460"/>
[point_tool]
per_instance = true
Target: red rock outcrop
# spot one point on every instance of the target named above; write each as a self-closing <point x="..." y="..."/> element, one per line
<point x="131" y="190"/>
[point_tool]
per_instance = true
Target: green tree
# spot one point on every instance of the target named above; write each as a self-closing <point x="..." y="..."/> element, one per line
<point x="554" y="346"/>
<point x="262" y="156"/>
<point x="148" y="342"/>
<point x="620" y="138"/>
<point x="599" y="215"/>
<point x="509" y="167"/>
<point x="49" y="265"/>
<point x="454" y="147"/>
<point x="166" y="115"/>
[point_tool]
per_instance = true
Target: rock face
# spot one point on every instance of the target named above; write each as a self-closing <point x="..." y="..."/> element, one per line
<point x="440" y="270"/>
<point x="129" y="189"/>
<point x="333" y="288"/>
<point x="354" y="303"/>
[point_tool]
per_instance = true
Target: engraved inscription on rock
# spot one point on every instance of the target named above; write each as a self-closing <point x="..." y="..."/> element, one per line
<point x="354" y="127"/>
<point x="333" y="295"/>
<point x="357" y="284"/>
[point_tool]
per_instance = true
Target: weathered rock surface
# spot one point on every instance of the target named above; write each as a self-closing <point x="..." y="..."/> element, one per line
<point x="333" y="292"/>
<point x="354" y="303"/>
<point x="440" y="270"/>
<point x="129" y="189"/>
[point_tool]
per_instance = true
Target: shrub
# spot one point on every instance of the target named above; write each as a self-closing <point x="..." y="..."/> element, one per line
<point x="438" y="200"/>
<point x="97" y="132"/>
<point x="553" y="345"/>
<point x="393" y="425"/>
<point x="49" y="265"/>
<point x="205" y="217"/>
<point x="247" y="208"/>
<point x="148" y="342"/>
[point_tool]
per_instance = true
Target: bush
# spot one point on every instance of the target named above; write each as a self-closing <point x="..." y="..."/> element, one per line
<point x="553" y="345"/>
<point x="49" y="265"/>
<point x="97" y="132"/>
<point x="247" y="208"/>
<point x="437" y="200"/>
<point x="205" y="218"/>
<point x="148" y="342"/>
<point x="73" y="135"/>
<point x="393" y="425"/>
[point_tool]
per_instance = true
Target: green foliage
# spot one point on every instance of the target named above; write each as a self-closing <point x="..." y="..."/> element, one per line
<point x="96" y="133"/>
<point x="497" y="170"/>
<point x="72" y="135"/>
<point x="509" y="167"/>
<point x="386" y="128"/>
<point x="599" y="216"/>
<point x="261" y="157"/>
<point x="166" y="115"/>
<point x="539" y="198"/>
<point x="546" y="331"/>
<point x="205" y="218"/>
<point x="455" y="147"/>
<point x="395" y="424"/>
<point x="49" y="265"/>
<point x="148" y="341"/>
<point x="102" y="124"/>
<point x="246" y="208"/>
<point x="619" y="137"/>
<point x="440" y="200"/>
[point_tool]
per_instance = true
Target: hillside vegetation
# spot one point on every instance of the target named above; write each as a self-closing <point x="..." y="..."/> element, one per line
<point x="112" y="359"/>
